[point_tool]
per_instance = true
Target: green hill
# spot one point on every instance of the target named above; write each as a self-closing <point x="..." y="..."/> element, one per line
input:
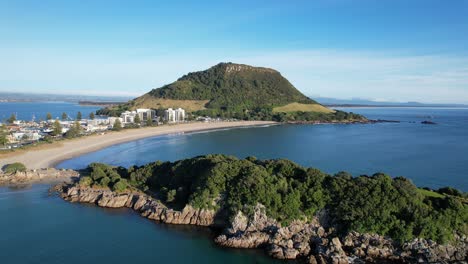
<point x="232" y="90"/>
<point x="234" y="87"/>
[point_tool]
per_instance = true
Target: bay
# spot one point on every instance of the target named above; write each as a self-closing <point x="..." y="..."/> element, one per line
<point x="38" y="228"/>
<point x="430" y="155"/>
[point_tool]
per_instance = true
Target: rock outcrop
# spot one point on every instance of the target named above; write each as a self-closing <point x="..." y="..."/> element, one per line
<point x="49" y="174"/>
<point x="308" y="241"/>
<point x="147" y="206"/>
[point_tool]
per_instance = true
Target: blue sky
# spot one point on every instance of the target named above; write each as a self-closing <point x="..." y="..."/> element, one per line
<point x="381" y="50"/>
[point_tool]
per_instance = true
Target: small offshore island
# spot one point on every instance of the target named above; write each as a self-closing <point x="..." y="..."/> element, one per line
<point x="291" y="211"/>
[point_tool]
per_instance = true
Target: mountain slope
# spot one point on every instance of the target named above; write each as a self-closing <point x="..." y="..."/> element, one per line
<point x="239" y="91"/>
<point x="233" y="87"/>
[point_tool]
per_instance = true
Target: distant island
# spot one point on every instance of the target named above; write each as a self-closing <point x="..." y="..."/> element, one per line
<point x="43" y="97"/>
<point x="239" y="91"/>
<point x="357" y="102"/>
<point x="291" y="211"/>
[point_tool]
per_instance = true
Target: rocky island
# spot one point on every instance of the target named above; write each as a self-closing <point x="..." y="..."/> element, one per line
<point x="291" y="211"/>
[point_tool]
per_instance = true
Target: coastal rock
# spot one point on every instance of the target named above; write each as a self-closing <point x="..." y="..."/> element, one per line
<point x="49" y="174"/>
<point x="307" y="240"/>
<point x="144" y="204"/>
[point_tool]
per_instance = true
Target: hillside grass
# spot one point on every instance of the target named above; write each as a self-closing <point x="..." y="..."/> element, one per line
<point x="148" y="101"/>
<point x="295" y="107"/>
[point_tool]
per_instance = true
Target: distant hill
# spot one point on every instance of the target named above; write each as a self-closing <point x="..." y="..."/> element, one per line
<point x="230" y="87"/>
<point x="239" y="91"/>
<point x="73" y="98"/>
<point x="333" y="102"/>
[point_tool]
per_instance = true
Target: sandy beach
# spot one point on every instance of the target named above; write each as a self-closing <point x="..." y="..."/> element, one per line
<point x="50" y="155"/>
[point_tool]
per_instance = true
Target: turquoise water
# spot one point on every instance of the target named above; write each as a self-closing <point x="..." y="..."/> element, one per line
<point x="430" y="155"/>
<point x="26" y="110"/>
<point x="37" y="228"/>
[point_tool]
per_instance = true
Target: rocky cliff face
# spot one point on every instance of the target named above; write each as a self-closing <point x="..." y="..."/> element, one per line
<point x="142" y="203"/>
<point x="307" y="241"/>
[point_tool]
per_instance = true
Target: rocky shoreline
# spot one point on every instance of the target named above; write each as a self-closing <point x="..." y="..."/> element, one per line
<point x="310" y="242"/>
<point x="40" y="175"/>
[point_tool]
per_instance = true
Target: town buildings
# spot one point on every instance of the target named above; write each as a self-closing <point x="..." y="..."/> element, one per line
<point x="128" y="117"/>
<point x="174" y="115"/>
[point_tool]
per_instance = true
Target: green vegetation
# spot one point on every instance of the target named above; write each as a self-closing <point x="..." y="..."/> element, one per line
<point x="48" y="116"/>
<point x="149" y="122"/>
<point x="14" y="167"/>
<point x="229" y="90"/>
<point x="11" y="119"/>
<point x="79" y="116"/>
<point x="137" y="120"/>
<point x="56" y="128"/>
<point x="91" y="116"/>
<point x="234" y="87"/>
<point x="377" y="204"/>
<point x="64" y="116"/>
<point x="117" y="125"/>
<point x="268" y="114"/>
<point x="74" y="131"/>
<point x="3" y="135"/>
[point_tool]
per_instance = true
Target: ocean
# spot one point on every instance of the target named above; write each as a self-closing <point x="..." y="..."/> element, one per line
<point x="38" y="228"/>
<point x="38" y="110"/>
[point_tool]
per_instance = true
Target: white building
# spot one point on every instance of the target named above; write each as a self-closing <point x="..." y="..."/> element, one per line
<point x="144" y="114"/>
<point x="128" y="117"/>
<point x="177" y="115"/>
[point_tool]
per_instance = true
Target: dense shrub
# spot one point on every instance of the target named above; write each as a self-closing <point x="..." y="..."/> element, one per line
<point x="14" y="167"/>
<point x="377" y="204"/>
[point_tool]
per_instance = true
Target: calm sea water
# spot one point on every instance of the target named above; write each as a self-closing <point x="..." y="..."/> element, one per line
<point x="430" y="155"/>
<point x="26" y="110"/>
<point x="37" y="228"/>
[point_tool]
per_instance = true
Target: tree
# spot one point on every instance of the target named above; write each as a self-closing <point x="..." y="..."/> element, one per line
<point x="149" y="122"/>
<point x="91" y="116"/>
<point x="78" y="116"/>
<point x="11" y="119"/>
<point x="49" y="116"/>
<point x="74" y="130"/>
<point x="3" y="135"/>
<point x="117" y="125"/>
<point x="137" y="119"/>
<point x="56" y="128"/>
<point x="64" y="116"/>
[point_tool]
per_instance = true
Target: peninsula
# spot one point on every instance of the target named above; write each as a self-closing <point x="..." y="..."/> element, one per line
<point x="46" y="156"/>
<point x="291" y="211"/>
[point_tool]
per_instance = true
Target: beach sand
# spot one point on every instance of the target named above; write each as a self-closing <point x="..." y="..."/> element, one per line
<point x="50" y="155"/>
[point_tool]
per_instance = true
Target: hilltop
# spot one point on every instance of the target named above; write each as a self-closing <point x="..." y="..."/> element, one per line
<point x="233" y="90"/>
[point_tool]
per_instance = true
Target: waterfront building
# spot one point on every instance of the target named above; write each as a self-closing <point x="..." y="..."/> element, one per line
<point x="172" y="116"/>
<point x="127" y="117"/>
<point x="146" y="114"/>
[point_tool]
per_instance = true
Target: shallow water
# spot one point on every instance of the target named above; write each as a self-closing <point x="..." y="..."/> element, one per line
<point x="37" y="228"/>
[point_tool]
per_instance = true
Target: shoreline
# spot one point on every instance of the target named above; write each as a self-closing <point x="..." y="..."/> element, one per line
<point x="53" y="154"/>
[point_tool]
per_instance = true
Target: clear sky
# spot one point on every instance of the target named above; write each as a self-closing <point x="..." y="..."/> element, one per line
<point x="383" y="50"/>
